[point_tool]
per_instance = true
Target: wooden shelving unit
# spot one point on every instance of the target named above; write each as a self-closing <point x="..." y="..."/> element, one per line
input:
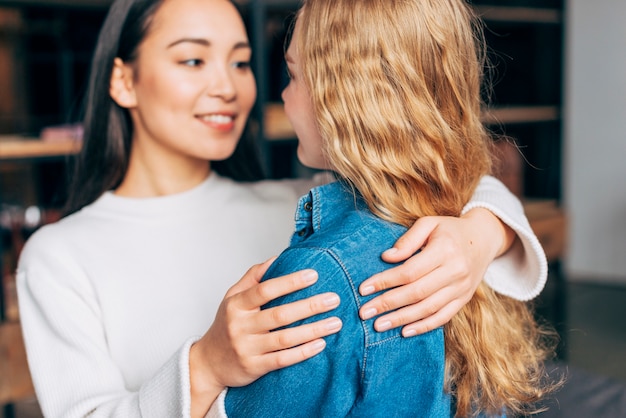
<point x="34" y="148"/>
<point x="278" y="127"/>
<point x="525" y="49"/>
<point x="73" y="4"/>
<point x="519" y="14"/>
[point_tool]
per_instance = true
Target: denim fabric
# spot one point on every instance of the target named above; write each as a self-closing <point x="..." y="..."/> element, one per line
<point x="361" y="373"/>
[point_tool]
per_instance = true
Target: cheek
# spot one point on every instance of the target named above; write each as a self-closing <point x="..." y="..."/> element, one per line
<point x="249" y="93"/>
<point x="170" y="92"/>
<point x="286" y="96"/>
<point x="295" y="112"/>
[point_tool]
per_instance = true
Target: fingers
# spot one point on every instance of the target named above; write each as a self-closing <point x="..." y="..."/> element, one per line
<point x="418" y="301"/>
<point x="280" y="316"/>
<point x="388" y="279"/>
<point x="412" y="240"/>
<point x="262" y="293"/>
<point x="439" y="319"/>
<point x="239" y="347"/>
<point x="292" y="345"/>
<point x="411" y="270"/>
<point x="291" y="356"/>
<point x="425" y="315"/>
<point x="303" y="334"/>
<point x="400" y="297"/>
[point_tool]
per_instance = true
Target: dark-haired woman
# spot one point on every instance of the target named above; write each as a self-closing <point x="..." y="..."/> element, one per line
<point x="122" y="301"/>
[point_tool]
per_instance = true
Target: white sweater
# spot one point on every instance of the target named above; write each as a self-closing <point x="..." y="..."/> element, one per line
<point x="112" y="297"/>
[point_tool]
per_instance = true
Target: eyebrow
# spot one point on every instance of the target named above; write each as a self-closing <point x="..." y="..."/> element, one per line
<point x="207" y="43"/>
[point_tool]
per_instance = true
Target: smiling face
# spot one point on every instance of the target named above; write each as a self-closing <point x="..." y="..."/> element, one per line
<point x="191" y="89"/>
<point x="299" y="110"/>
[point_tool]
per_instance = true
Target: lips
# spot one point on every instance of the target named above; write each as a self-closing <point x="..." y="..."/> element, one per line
<point x="219" y="121"/>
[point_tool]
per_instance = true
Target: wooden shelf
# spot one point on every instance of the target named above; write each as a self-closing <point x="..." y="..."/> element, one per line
<point x="16" y="148"/>
<point x="84" y="4"/>
<point x="519" y="14"/>
<point x="521" y="114"/>
<point x="278" y="127"/>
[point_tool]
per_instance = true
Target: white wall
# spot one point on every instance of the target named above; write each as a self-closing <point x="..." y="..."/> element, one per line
<point x="594" y="177"/>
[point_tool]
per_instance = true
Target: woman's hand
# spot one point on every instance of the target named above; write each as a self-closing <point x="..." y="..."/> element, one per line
<point x="239" y="347"/>
<point x="433" y="285"/>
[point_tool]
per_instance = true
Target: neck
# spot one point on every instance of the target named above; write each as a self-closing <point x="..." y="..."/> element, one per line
<point x="145" y="179"/>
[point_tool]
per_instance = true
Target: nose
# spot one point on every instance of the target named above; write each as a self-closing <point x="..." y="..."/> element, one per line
<point x="222" y="84"/>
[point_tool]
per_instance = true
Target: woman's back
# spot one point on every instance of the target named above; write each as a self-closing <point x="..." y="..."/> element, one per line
<point x="360" y="371"/>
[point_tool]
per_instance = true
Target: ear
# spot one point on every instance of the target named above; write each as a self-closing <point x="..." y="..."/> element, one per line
<point x="121" y="86"/>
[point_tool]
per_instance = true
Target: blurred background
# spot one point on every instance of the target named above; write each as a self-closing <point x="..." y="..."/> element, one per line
<point x="557" y="110"/>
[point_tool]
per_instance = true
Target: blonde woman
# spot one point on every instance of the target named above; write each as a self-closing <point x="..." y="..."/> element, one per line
<point x="386" y="94"/>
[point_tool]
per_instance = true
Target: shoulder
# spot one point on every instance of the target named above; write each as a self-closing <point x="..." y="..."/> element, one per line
<point x="332" y="273"/>
<point x="271" y="202"/>
<point x="300" y="257"/>
<point x="353" y="246"/>
<point x="287" y="189"/>
<point x="49" y="262"/>
<point x="358" y="232"/>
<point x="281" y="189"/>
<point x="57" y="244"/>
<point x="50" y="242"/>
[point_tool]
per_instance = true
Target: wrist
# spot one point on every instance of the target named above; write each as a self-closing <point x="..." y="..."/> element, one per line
<point x="497" y="237"/>
<point x="205" y="387"/>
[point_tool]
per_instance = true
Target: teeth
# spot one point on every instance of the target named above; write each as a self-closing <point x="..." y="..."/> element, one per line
<point x="217" y="118"/>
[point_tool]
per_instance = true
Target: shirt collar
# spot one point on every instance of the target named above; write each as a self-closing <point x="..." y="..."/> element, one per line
<point x="323" y="206"/>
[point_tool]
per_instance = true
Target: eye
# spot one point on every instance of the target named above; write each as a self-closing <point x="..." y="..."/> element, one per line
<point x="242" y="65"/>
<point x="194" y="62"/>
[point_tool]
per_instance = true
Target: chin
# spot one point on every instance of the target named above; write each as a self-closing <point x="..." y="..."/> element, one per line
<point x="219" y="153"/>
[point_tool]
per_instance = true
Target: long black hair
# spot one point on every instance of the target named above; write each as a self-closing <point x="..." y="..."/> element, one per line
<point x="103" y="160"/>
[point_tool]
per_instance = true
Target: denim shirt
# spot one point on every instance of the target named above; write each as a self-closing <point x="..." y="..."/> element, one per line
<point x="361" y="372"/>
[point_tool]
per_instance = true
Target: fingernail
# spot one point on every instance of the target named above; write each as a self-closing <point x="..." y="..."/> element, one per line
<point x="390" y="251"/>
<point x="368" y="313"/>
<point x="318" y="346"/>
<point x="309" y="276"/>
<point x="331" y="300"/>
<point x="333" y="324"/>
<point x="367" y="290"/>
<point x="383" y="326"/>
<point x="409" y="333"/>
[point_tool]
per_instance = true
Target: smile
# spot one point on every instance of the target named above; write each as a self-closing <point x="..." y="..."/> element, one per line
<point x="219" y="119"/>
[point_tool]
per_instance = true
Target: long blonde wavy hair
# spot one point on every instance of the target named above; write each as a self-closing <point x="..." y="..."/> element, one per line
<point x="396" y="91"/>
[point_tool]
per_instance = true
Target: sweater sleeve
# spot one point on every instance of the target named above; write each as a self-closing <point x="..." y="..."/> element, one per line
<point x="522" y="271"/>
<point x="71" y="368"/>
